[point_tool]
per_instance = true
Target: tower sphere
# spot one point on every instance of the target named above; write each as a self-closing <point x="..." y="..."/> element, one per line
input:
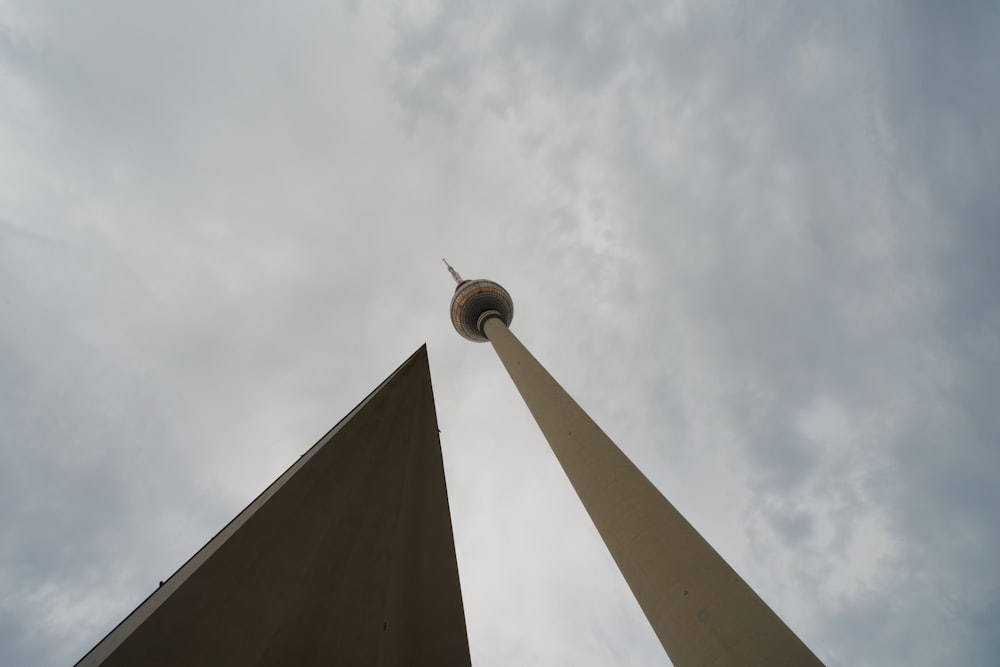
<point x="476" y="301"/>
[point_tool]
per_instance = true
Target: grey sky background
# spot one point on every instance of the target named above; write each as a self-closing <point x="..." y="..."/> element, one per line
<point x="760" y="244"/>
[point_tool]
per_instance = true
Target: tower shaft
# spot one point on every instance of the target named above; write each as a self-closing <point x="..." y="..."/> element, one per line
<point x="701" y="610"/>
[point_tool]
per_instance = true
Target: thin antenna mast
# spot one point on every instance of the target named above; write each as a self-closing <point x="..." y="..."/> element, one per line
<point x="454" y="273"/>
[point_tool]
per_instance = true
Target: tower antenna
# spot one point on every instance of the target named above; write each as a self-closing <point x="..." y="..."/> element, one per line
<point x="454" y="273"/>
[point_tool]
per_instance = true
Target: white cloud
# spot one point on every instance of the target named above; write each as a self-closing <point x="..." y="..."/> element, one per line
<point x="758" y="245"/>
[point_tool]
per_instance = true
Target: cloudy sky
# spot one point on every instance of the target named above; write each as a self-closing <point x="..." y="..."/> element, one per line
<point x="761" y="245"/>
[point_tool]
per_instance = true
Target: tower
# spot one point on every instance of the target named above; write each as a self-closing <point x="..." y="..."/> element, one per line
<point x="702" y="612"/>
<point x="346" y="559"/>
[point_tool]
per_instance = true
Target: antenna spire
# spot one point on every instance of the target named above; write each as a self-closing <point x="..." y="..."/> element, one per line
<point x="454" y="273"/>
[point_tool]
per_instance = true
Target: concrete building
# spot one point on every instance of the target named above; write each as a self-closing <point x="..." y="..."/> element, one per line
<point x="347" y="559"/>
<point x="701" y="610"/>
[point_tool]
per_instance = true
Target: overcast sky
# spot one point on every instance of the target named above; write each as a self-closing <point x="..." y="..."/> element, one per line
<point x="761" y="245"/>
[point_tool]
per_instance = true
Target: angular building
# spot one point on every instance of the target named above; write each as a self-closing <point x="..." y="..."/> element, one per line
<point x="347" y="559"/>
<point x="702" y="611"/>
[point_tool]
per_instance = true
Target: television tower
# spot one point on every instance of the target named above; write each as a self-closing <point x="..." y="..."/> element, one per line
<point x="702" y="611"/>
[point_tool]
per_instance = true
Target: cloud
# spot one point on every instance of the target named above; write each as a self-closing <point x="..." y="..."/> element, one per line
<point x="759" y="245"/>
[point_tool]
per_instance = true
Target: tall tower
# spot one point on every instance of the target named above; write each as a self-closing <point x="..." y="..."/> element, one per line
<point x="702" y="611"/>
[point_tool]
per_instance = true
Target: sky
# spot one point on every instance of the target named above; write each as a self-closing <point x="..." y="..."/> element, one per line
<point x="759" y="244"/>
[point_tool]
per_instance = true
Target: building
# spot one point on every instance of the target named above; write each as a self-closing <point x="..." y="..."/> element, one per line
<point x="347" y="559"/>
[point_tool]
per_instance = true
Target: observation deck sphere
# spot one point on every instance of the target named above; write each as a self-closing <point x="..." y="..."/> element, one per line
<point x="474" y="302"/>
